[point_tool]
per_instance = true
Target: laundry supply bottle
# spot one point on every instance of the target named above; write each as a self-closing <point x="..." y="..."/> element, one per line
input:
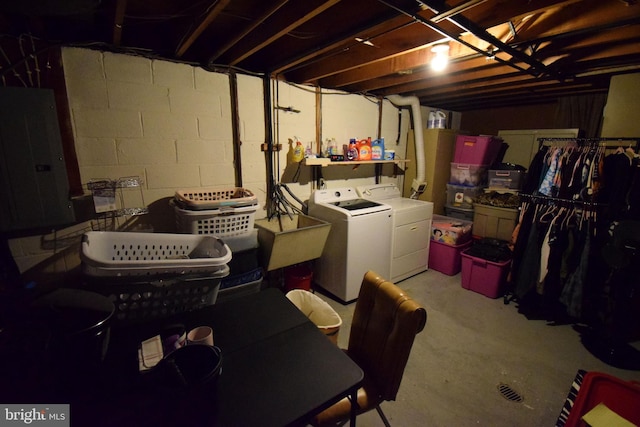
<point x="377" y="149"/>
<point x="290" y="152"/>
<point x="352" y="151"/>
<point x="298" y="152"/>
<point x="364" y="151"/>
<point x="333" y="147"/>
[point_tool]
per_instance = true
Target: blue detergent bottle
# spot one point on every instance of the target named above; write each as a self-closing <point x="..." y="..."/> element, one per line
<point x="377" y="149"/>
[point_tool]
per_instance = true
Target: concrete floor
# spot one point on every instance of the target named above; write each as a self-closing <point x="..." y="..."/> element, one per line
<point x="470" y="345"/>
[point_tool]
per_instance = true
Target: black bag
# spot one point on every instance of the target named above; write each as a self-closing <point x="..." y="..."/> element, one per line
<point x="493" y="250"/>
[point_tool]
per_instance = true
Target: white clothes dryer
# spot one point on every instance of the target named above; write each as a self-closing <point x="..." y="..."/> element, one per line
<point x="411" y="233"/>
<point x="359" y="240"/>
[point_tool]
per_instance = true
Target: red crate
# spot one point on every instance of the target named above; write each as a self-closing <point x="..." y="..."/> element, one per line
<point x="620" y="396"/>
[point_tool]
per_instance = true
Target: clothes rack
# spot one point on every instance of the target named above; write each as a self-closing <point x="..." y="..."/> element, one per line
<point x="548" y="200"/>
<point x="619" y="142"/>
<point x="575" y="193"/>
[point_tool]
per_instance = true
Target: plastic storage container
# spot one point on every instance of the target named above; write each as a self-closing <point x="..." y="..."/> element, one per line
<point x="245" y="273"/>
<point x="477" y="150"/>
<point x="446" y="258"/>
<point x="205" y="198"/>
<point x="223" y="222"/>
<point x="459" y="213"/>
<point x="468" y="174"/>
<point x="240" y="284"/>
<point x="619" y="396"/>
<point x="450" y="231"/>
<point x="461" y="196"/>
<point x="318" y="311"/>
<point x="141" y="298"/>
<point x="507" y="179"/>
<point x="484" y="276"/>
<point x="298" y="276"/>
<point x="495" y="222"/>
<point x="118" y="254"/>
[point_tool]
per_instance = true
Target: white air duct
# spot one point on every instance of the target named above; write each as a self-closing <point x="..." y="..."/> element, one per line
<point x="418" y="185"/>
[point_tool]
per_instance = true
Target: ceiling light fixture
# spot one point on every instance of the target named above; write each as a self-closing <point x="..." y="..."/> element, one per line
<point x="440" y="58"/>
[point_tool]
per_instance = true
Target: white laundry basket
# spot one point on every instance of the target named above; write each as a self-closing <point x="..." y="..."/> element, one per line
<point x="318" y="311"/>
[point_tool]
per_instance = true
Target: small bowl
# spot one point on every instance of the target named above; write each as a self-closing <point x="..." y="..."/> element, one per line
<point x="191" y="365"/>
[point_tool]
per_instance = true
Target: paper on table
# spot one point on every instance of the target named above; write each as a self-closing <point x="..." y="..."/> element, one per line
<point x="150" y="353"/>
<point x="602" y="416"/>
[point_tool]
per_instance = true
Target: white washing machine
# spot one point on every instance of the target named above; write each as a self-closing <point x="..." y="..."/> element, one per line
<point x="411" y="229"/>
<point x="359" y="240"/>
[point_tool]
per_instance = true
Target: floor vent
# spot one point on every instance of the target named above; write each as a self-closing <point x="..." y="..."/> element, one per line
<point x="509" y="393"/>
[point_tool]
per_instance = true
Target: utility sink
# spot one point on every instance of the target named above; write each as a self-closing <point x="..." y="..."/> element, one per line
<point x="286" y="241"/>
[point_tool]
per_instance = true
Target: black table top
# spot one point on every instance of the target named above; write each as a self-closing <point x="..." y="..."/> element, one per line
<point x="278" y="369"/>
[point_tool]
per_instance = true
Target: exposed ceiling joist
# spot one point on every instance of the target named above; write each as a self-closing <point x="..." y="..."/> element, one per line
<point x="502" y="52"/>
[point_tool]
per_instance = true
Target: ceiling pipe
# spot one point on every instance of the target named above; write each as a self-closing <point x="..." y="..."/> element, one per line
<point x="419" y="19"/>
<point x="418" y="185"/>
<point x="467" y="25"/>
<point x="455" y="10"/>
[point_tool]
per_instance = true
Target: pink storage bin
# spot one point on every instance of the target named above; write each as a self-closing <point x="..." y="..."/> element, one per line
<point x="446" y="258"/>
<point x="477" y="150"/>
<point x="483" y="276"/>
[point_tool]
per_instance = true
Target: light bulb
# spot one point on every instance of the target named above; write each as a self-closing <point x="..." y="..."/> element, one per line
<point x="441" y="58"/>
<point x="439" y="62"/>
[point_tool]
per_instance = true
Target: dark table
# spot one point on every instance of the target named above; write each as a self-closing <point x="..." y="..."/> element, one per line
<point x="278" y="370"/>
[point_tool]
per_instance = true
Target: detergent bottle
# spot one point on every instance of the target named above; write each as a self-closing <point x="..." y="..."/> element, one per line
<point x="352" y="151"/>
<point x="377" y="149"/>
<point x="441" y="120"/>
<point x="290" y="152"/>
<point x="364" y="149"/>
<point x="298" y="152"/>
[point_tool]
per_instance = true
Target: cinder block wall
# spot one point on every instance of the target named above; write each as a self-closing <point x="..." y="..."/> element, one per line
<point x="166" y="122"/>
<point x="170" y="124"/>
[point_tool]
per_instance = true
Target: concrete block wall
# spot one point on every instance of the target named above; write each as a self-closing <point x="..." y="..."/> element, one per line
<point x="170" y="124"/>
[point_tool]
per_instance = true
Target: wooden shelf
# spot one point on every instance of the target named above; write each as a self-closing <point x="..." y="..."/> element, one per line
<point x="327" y="162"/>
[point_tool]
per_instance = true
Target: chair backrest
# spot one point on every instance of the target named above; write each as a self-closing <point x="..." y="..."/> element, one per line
<point x="385" y="323"/>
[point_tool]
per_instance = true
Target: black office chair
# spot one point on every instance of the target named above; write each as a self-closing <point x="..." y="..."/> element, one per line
<point x="385" y="323"/>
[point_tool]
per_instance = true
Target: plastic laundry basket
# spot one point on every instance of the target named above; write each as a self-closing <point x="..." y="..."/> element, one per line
<point x="318" y="311"/>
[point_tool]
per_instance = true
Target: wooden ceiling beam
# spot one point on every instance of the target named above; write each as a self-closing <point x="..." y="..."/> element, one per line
<point x="457" y="73"/>
<point x="250" y="28"/>
<point x="370" y="31"/>
<point x="282" y="31"/>
<point x="118" y="21"/>
<point x="199" y="29"/>
<point x="466" y="102"/>
<point x="408" y="39"/>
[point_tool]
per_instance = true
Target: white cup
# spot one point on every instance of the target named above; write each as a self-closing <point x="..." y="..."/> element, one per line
<point x="200" y="335"/>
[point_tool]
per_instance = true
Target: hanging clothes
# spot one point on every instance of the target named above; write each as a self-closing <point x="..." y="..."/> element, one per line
<point x="573" y="292"/>
<point x="556" y="250"/>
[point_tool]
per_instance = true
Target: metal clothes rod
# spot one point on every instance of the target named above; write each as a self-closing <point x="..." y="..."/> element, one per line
<point x="604" y="142"/>
<point x="536" y="198"/>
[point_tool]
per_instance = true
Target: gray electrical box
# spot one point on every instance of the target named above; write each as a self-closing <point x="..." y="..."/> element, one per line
<point x="34" y="189"/>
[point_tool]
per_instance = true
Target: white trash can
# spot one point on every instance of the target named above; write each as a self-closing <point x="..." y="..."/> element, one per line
<point x="318" y="311"/>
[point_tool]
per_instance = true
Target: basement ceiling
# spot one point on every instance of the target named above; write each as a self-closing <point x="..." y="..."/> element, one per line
<point x="502" y="52"/>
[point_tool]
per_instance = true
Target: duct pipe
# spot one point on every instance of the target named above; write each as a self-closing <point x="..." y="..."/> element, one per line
<point x="418" y="185"/>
